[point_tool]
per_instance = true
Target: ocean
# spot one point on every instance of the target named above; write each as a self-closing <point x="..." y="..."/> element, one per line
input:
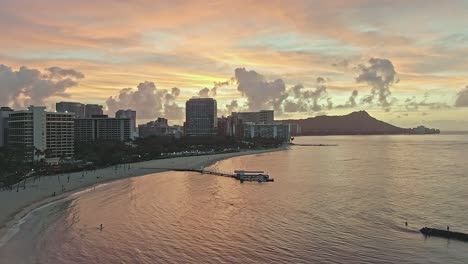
<point x="329" y="204"/>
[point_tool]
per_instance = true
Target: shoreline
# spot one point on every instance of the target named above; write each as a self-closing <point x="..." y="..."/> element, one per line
<point x="15" y="206"/>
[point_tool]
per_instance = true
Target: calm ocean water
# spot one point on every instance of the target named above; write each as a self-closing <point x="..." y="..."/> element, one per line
<point x="343" y="204"/>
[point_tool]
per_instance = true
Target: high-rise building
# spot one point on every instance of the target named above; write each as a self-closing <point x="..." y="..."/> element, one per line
<point x="88" y="130"/>
<point x="272" y="130"/>
<point x="222" y="126"/>
<point x="234" y="127"/>
<point x="93" y="110"/>
<point x="131" y="114"/>
<point x="201" y="117"/>
<point x="4" y="117"/>
<point x="263" y="116"/>
<point x="71" y="107"/>
<point x="48" y="135"/>
<point x="80" y="110"/>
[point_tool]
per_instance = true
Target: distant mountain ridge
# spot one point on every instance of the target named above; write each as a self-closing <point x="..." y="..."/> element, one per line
<point x="355" y="123"/>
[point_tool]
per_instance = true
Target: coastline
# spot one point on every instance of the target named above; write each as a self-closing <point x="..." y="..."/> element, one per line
<point x="14" y="206"/>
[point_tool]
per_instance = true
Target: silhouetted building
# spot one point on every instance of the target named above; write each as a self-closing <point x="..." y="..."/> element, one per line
<point x="234" y="127"/>
<point x="99" y="116"/>
<point x="131" y="114"/>
<point x="294" y="129"/>
<point x="274" y="130"/>
<point x="201" y="117"/>
<point x="222" y="126"/>
<point x="88" y="130"/>
<point x="422" y="130"/>
<point x="80" y="110"/>
<point x="230" y="126"/>
<point x="162" y="120"/>
<point x="263" y="116"/>
<point x="154" y="128"/>
<point x="71" y="107"/>
<point x="93" y="110"/>
<point x="160" y="127"/>
<point x="4" y="117"/>
<point x="47" y="135"/>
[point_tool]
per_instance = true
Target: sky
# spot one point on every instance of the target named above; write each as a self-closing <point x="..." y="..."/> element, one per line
<point x="405" y="62"/>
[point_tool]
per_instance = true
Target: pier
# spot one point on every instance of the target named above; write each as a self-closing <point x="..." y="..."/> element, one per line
<point x="314" y="145"/>
<point x="444" y="233"/>
<point x="241" y="175"/>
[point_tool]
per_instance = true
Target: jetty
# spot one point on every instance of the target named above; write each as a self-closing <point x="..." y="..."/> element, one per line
<point x="241" y="175"/>
<point x="444" y="233"/>
<point x="314" y="145"/>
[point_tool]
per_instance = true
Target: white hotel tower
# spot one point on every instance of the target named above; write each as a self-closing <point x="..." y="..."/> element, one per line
<point x="52" y="133"/>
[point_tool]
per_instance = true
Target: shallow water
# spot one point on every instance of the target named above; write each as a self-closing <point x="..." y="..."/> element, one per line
<point x="343" y="204"/>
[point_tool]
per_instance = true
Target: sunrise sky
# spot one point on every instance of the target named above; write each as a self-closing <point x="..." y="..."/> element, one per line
<point x="405" y="62"/>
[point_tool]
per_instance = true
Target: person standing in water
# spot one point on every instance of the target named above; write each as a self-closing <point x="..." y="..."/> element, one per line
<point x="406" y="223"/>
<point x="101" y="228"/>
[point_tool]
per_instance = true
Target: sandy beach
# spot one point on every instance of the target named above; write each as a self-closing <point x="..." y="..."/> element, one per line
<point x="15" y="205"/>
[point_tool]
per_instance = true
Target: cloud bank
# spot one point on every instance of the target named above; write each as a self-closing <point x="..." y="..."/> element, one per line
<point x="259" y="92"/>
<point x="26" y="86"/>
<point x="148" y="101"/>
<point x="462" y="98"/>
<point x="380" y="75"/>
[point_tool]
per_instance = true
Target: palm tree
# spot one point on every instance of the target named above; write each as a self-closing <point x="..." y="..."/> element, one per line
<point x="63" y="157"/>
<point x="48" y="152"/>
<point x="38" y="153"/>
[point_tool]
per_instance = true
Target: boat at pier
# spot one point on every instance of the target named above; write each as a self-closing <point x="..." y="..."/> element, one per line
<point x="258" y="176"/>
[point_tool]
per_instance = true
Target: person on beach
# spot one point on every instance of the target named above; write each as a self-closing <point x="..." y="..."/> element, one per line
<point x="406" y="223"/>
<point x="448" y="228"/>
<point x="101" y="228"/>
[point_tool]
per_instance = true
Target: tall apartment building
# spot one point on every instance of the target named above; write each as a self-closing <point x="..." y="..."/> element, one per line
<point x="4" y="117"/>
<point x="201" y="117"/>
<point x="71" y="107"/>
<point x="131" y="114"/>
<point x="263" y="116"/>
<point x="272" y="130"/>
<point x="234" y="127"/>
<point x="80" y="110"/>
<point x="88" y="130"/>
<point x="93" y="110"/>
<point x="51" y="133"/>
